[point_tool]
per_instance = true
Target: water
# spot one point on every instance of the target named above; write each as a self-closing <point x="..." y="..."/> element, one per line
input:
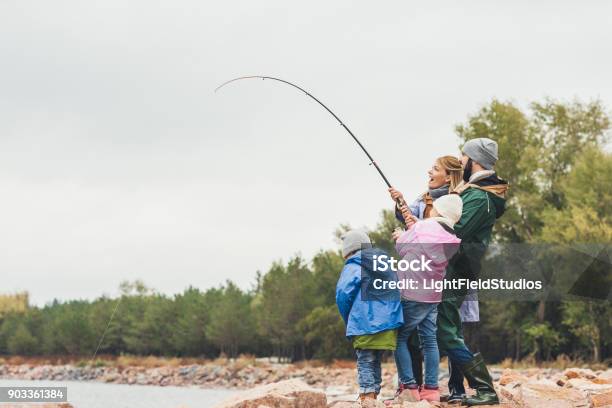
<point x="101" y="395"/>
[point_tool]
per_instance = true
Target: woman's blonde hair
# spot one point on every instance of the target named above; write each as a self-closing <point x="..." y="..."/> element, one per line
<point x="452" y="166"/>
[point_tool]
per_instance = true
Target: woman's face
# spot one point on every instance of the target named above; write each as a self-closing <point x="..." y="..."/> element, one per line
<point x="437" y="176"/>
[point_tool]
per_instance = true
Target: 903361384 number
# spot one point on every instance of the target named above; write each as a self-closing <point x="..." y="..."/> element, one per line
<point x="33" y="394"/>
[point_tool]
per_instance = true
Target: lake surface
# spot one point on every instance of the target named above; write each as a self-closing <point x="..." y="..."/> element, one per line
<point x="101" y="395"/>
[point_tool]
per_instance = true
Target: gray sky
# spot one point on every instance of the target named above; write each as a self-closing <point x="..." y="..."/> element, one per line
<point x="117" y="160"/>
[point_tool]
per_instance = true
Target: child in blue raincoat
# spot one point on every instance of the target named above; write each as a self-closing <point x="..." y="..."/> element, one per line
<point x="371" y="314"/>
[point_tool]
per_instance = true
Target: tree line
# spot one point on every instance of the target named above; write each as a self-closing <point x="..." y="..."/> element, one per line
<point x="556" y="159"/>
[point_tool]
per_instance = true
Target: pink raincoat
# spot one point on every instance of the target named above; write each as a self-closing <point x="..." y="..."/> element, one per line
<point x="428" y="245"/>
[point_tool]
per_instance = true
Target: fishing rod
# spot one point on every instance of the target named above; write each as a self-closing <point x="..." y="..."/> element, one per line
<point x="399" y="201"/>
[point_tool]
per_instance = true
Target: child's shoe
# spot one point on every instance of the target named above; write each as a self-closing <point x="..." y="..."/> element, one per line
<point x="368" y="400"/>
<point x="370" y="403"/>
<point x="407" y="393"/>
<point x="368" y="396"/>
<point x="430" y="394"/>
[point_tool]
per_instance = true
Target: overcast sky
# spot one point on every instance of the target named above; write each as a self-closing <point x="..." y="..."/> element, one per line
<point x="118" y="162"/>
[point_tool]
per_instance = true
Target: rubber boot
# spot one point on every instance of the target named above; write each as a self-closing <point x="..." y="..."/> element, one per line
<point x="456" y="390"/>
<point x="480" y="380"/>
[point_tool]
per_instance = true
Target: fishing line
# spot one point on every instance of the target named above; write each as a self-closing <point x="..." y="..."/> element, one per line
<point x="106" y="329"/>
<point x="399" y="201"/>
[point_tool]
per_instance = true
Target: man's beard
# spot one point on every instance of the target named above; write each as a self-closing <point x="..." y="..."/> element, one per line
<point x="467" y="171"/>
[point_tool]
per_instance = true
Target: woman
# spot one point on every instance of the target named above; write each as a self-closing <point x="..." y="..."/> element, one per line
<point x="444" y="176"/>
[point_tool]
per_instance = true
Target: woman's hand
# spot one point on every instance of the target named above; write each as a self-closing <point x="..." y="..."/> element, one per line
<point x="395" y="194"/>
<point x="410" y="221"/>
<point x="406" y="213"/>
<point x="409" y="218"/>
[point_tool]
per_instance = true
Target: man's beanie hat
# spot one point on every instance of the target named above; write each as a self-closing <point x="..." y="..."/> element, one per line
<point x="482" y="150"/>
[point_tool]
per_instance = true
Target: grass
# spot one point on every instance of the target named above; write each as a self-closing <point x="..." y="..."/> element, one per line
<point x="562" y="362"/>
<point x="235" y="364"/>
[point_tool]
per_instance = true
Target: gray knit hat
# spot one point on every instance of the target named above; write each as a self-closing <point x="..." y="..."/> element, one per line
<point x="354" y="240"/>
<point x="482" y="150"/>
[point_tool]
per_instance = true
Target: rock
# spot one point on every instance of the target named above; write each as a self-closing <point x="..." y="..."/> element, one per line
<point x="544" y="394"/>
<point x="341" y="404"/>
<point x="589" y="385"/>
<point x="365" y="404"/>
<point x="606" y="374"/>
<point x="510" y="376"/>
<point x="110" y="377"/>
<point x="285" y="394"/>
<point x="602" y="400"/>
<point x="370" y="404"/>
<point x="420" y="404"/>
<point x="571" y="373"/>
<point x="602" y="380"/>
<point x="579" y="373"/>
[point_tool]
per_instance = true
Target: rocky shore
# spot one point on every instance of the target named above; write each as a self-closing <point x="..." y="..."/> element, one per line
<point x="231" y="375"/>
<point x="534" y="387"/>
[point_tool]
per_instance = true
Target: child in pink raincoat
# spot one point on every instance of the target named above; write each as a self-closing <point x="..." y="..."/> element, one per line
<point x="431" y="242"/>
